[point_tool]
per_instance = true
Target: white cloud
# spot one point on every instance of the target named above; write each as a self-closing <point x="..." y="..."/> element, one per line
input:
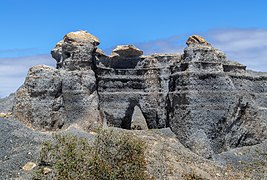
<point x="247" y="46"/>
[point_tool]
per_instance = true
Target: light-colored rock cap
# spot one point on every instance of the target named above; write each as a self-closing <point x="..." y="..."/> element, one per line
<point x="127" y="51"/>
<point x="81" y="36"/>
<point x="99" y="52"/>
<point x="195" y="39"/>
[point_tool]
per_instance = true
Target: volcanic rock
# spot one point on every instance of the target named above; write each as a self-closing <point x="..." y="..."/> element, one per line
<point x="52" y="98"/>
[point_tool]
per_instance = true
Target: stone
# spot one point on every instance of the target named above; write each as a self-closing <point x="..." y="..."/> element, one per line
<point x="5" y="115"/>
<point x="122" y="57"/>
<point x="56" y="53"/>
<point x="138" y="120"/>
<point x="29" y="166"/>
<point x="35" y="100"/>
<point x="47" y="170"/>
<point x="195" y="39"/>
<point x="127" y="51"/>
<point x="81" y="37"/>
<point x="78" y="51"/>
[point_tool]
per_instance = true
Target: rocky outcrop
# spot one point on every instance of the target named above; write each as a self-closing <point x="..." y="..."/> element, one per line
<point x="216" y="103"/>
<point x="210" y="103"/>
<point x="55" y="98"/>
<point x="122" y="57"/>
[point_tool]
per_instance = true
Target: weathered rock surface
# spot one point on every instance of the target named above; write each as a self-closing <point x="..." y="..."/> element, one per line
<point x="122" y="57"/>
<point x="210" y="103"/>
<point x="52" y="98"/>
<point x="216" y="103"/>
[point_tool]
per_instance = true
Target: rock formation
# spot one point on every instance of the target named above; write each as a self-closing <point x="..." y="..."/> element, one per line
<point x="52" y="98"/>
<point x="210" y="103"/>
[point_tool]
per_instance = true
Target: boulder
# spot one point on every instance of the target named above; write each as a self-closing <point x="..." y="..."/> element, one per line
<point x="78" y="51"/>
<point x="81" y="37"/>
<point x="195" y="39"/>
<point x="126" y="51"/>
<point x="29" y="166"/>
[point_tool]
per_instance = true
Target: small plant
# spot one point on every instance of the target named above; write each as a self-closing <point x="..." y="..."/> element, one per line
<point x="113" y="155"/>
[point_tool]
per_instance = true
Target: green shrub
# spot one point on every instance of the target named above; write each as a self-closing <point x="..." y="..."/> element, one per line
<point x="113" y="155"/>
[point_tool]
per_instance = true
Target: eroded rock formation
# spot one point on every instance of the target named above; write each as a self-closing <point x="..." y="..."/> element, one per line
<point x="52" y="98"/>
<point x="210" y="103"/>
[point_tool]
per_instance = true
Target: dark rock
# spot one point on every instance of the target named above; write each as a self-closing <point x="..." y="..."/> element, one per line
<point x="56" y="53"/>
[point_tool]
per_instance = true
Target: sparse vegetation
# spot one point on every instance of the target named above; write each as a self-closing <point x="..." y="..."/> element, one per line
<point x="113" y="155"/>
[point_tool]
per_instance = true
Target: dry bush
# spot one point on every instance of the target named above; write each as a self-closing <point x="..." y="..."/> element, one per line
<point x="113" y="155"/>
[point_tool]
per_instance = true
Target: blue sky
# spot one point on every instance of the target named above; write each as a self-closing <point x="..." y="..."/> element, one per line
<point x="31" y="28"/>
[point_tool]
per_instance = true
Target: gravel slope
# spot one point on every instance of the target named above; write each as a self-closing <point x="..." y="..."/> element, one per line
<point x="18" y="145"/>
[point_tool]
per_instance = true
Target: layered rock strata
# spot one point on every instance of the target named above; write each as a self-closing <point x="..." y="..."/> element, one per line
<point x="210" y="103"/>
